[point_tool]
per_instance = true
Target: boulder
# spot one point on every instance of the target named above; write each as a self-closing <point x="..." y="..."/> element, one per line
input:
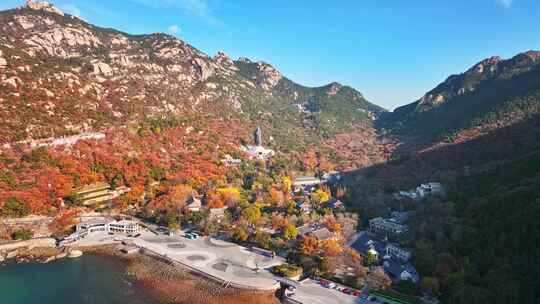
<point x="102" y="68"/>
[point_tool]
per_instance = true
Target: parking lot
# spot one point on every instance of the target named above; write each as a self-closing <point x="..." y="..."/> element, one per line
<point x="311" y="291"/>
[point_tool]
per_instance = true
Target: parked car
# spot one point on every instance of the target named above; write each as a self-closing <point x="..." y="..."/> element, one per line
<point x="191" y="236"/>
<point x="347" y="291"/>
<point x="357" y="293"/>
<point x="327" y="284"/>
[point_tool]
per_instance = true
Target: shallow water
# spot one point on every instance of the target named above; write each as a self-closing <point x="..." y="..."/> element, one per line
<point x="88" y="279"/>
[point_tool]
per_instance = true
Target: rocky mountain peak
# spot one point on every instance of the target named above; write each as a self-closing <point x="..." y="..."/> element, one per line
<point x="533" y="54"/>
<point x="224" y="60"/>
<point x="486" y="65"/>
<point x="488" y="69"/>
<point x="333" y="88"/>
<point x="526" y="59"/>
<point x="244" y="60"/>
<point x="269" y="76"/>
<point x="43" y="6"/>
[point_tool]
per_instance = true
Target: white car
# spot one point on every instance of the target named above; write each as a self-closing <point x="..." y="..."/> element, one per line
<point x="339" y="288"/>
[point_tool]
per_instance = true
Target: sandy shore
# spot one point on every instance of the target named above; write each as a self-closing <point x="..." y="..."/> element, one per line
<point x="172" y="284"/>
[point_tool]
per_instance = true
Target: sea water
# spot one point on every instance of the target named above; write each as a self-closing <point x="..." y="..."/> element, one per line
<point x="88" y="279"/>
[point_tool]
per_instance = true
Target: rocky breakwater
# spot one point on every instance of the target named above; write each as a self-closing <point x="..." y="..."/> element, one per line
<point x="42" y="250"/>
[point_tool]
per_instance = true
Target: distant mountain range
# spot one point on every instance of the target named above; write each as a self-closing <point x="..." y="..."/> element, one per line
<point x="62" y="76"/>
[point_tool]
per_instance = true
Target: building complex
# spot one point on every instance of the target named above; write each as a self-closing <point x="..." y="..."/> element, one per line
<point x="87" y="228"/>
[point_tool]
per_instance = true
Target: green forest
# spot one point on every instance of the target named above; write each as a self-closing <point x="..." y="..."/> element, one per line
<point x="482" y="244"/>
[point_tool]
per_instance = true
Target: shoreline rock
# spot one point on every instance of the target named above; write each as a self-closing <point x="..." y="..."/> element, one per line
<point x="42" y="250"/>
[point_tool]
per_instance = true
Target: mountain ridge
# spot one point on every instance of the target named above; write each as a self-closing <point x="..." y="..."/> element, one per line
<point x="74" y="77"/>
<point x="491" y="94"/>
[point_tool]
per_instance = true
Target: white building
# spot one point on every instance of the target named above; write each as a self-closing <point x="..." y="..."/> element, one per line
<point x="332" y="176"/>
<point x="387" y="226"/>
<point x="258" y="152"/>
<point x="422" y="191"/>
<point x="305" y="207"/>
<point x="87" y="228"/>
<point x="218" y="213"/>
<point x="306" y="183"/>
<point x="428" y="189"/>
<point x="230" y="161"/>
<point x="123" y="226"/>
<point x="398" y="252"/>
<point x="194" y="204"/>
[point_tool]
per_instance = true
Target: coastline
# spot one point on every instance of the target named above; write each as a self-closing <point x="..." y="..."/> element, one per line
<point x="154" y="280"/>
<point x="41" y="250"/>
<point x="164" y="283"/>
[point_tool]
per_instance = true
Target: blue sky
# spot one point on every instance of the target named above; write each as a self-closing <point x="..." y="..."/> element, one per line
<point x="393" y="51"/>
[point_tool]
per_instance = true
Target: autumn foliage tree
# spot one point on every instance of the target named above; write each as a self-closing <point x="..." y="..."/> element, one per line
<point x="214" y="200"/>
<point x="290" y="232"/>
<point x="64" y="222"/>
<point x="231" y="196"/>
<point x="308" y="245"/>
<point x="309" y="160"/>
<point x="378" y="279"/>
<point x="276" y="196"/>
<point x="331" y="223"/>
<point x="331" y="248"/>
<point x="252" y="214"/>
<point x="240" y="233"/>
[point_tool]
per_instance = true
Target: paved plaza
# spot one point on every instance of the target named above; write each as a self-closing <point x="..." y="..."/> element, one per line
<point x="223" y="260"/>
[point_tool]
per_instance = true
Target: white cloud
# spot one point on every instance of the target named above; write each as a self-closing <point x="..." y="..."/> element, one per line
<point x="505" y="3"/>
<point x="198" y="8"/>
<point x="174" y="29"/>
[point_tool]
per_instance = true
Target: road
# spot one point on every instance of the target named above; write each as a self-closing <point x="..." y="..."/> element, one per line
<point x="311" y="292"/>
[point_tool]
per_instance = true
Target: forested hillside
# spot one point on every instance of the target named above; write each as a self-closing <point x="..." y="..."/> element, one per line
<point x="62" y="76"/>
<point x="492" y="94"/>
<point x="478" y="134"/>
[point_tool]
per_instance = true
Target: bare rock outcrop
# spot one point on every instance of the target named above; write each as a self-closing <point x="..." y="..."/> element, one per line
<point x="101" y="68"/>
<point x="3" y="61"/>
<point x="43" y="6"/>
<point x="225" y="61"/>
<point x="62" y="41"/>
<point x="269" y="76"/>
<point x="203" y="69"/>
<point x="334" y="89"/>
<point x="489" y="65"/>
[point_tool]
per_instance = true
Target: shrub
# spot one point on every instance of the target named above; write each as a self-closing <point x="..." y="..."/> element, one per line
<point x="23" y="234"/>
<point x="14" y="208"/>
<point x="287" y="270"/>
